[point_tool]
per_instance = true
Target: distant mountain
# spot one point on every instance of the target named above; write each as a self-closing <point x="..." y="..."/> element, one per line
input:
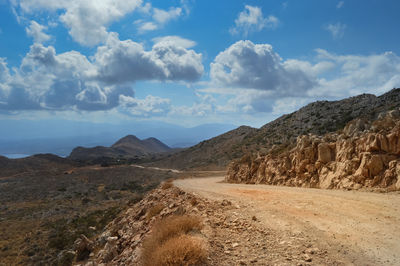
<point x="38" y="162"/>
<point x="61" y="136"/>
<point x="317" y="118"/>
<point x="127" y="147"/>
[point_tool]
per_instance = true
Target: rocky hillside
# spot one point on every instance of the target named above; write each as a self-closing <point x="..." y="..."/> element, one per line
<point x="222" y="235"/>
<point x="35" y="163"/>
<point x="363" y="154"/>
<point x="215" y="152"/>
<point x="127" y="147"/>
<point x="322" y="117"/>
<point x="316" y="118"/>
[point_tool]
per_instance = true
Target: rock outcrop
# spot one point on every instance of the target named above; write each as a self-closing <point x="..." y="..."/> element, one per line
<point x="317" y="118"/>
<point x="363" y="155"/>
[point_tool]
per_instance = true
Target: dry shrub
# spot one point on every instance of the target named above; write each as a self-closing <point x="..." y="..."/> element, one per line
<point x="165" y="230"/>
<point x="181" y="250"/>
<point x="193" y="201"/>
<point x="156" y="209"/>
<point x="167" y="185"/>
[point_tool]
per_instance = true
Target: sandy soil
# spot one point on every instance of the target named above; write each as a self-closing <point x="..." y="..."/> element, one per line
<point x="359" y="228"/>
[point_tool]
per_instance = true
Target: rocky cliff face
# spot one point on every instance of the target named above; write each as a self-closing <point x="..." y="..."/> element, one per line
<point x="363" y="154"/>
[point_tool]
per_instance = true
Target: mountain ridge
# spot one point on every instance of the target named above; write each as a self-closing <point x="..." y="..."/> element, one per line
<point x="127" y="147"/>
<point x="318" y="118"/>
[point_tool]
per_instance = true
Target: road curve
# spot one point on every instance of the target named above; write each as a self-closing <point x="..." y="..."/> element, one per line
<point x="363" y="226"/>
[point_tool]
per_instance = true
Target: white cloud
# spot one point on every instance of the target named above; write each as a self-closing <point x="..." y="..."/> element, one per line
<point x="35" y="30"/>
<point x="149" y="106"/>
<point x="252" y="20"/>
<point x="147" y="26"/>
<point x="127" y="61"/>
<point x="340" y="4"/>
<point x="46" y="80"/>
<point x="257" y="80"/>
<point x="161" y="17"/>
<point x="71" y="81"/>
<point x="175" y="40"/>
<point x="359" y="74"/>
<point x="146" y="8"/>
<point x="203" y="106"/>
<point x="308" y="68"/>
<point x="87" y="21"/>
<point x="249" y="101"/>
<point x="337" y="30"/>
<point x="4" y="80"/>
<point x="256" y="66"/>
<point x="289" y="104"/>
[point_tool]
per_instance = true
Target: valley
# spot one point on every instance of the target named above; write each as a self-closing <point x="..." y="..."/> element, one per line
<point x="44" y="211"/>
<point x="334" y="199"/>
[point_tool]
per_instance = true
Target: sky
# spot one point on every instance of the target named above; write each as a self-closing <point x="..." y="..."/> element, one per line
<point x="189" y="62"/>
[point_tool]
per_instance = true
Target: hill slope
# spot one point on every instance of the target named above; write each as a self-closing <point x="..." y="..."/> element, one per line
<point x="317" y="118"/>
<point x="364" y="154"/>
<point x="216" y="152"/>
<point x="35" y="163"/>
<point x="127" y="147"/>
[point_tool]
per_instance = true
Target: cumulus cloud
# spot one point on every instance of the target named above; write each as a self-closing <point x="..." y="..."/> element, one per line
<point x="149" y="106"/>
<point x="127" y="61"/>
<point x="359" y="74"/>
<point x="4" y="79"/>
<point x="257" y="80"/>
<point x="72" y="81"/>
<point x="248" y="101"/>
<point x="49" y="81"/>
<point x="204" y="105"/>
<point x="87" y="21"/>
<point x="336" y="30"/>
<point x="35" y="30"/>
<point x="251" y="19"/>
<point x="257" y="66"/>
<point x="175" y="40"/>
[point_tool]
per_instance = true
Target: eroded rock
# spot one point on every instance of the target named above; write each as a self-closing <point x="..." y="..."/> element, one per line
<point x="363" y="155"/>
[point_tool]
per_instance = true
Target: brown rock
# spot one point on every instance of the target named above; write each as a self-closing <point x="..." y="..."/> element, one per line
<point x="358" y="158"/>
<point x="324" y="153"/>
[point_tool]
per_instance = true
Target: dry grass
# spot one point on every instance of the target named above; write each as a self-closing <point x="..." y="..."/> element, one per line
<point x="156" y="209"/>
<point x="164" y="242"/>
<point x="167" y="185"/>
<point x="181" y="250"/>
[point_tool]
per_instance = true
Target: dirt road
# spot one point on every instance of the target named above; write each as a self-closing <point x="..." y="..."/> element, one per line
<point x="360" y="228"/>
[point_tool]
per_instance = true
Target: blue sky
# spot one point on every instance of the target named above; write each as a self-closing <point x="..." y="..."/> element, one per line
<point x="191" y="62"/>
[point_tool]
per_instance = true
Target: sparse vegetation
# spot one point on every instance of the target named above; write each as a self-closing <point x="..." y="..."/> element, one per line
<point x="170" y="244"/>
<point x="167" y="185"/>
<point x="40" y="219"/>
<point x="180" y="250"/>
<point x="156" y="209"/>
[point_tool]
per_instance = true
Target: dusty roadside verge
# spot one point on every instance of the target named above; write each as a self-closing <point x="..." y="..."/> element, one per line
<point x="362" y="228"/>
